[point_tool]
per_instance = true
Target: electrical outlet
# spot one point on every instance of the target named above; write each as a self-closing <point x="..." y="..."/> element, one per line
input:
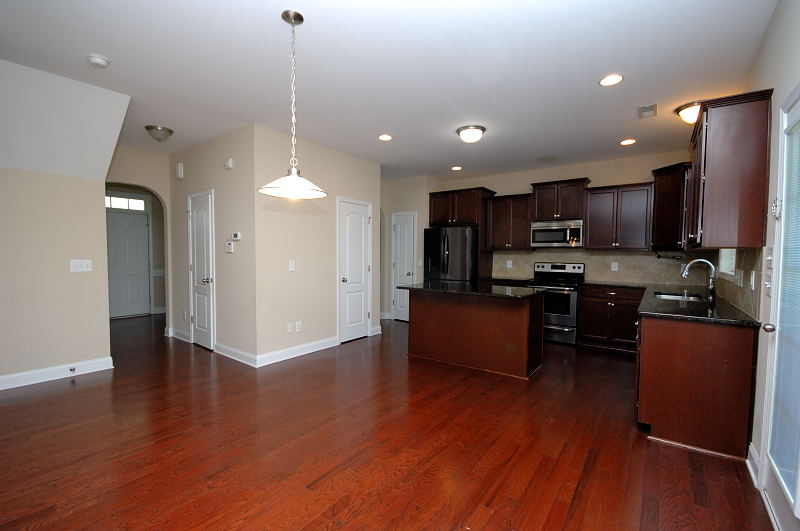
<point x="752" y="280"/>
<point x="298" y="326"/>
<point x="289" y="328"/>
<point x="614" y="266"/>
<point x="509" y="264"/>
<point x="80" y="266"/>
<point x="291" y="266"/>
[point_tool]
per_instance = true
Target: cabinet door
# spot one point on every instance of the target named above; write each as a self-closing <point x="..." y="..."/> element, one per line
<point x="546" y="202"/>
<point x="622" y="323"/>
<point x="499" y="214"/>
<point x="570" y="200"/>
<point x="600" y="219"/>
<point x="521" y="222"/>
<point x="440" y="210"/>
<point x="694" y="212"/>
<point x="466" y="207"/>
<point x="668" y="192"/>
<point x="594" y="319"/>
<point x="634" y="215"/>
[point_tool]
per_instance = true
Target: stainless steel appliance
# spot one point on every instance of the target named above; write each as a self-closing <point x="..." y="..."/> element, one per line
<point x="562" y="233"/>
<point x="559" y="284"/>
<point x="451" y="253"/>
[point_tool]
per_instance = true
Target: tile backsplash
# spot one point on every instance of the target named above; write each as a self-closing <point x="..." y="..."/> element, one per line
<point x="744" y="297"/>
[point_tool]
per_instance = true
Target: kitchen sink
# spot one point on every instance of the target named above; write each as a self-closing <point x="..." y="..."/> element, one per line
<point x="687" y="297"/>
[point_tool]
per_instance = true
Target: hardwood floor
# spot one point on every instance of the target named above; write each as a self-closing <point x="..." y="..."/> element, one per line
<point x="357" y="436"/>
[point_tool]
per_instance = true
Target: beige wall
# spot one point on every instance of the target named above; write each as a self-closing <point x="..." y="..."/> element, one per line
<point x="51" y="316"/>
<point x="777" y="66"/>
<point x="305" y="231"/>
<point x="235" y="274"/>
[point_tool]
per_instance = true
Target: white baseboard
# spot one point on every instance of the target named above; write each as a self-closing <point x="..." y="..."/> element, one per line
<point x="752" y="464"/>
<point x="236" y="354"/>
<point x="375" y="330"/>
<point x="178" y="334"/>
<point x="18" y="379"/>
<point x="298" y="350"/>
<point x="387" y="315"/>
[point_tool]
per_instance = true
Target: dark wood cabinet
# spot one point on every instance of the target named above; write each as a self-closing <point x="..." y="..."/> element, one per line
<point x="608" y="315"/>
<point x="457" y="207"/>
<point x="556" y="200"/>
<point x="695" y="383"/>
<point x="727" y="203"/>
<point x="509" y="222"/>
<point x="619" y="217"/>
<point x="669" y="206"/>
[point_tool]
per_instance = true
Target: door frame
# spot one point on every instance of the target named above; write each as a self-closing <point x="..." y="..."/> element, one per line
<point x="790" y="106"/>
<point x="392" y="284"/>
<point x="212" y="263"/>
<point x="148" y="211"/>
<point x="339" y="201"/>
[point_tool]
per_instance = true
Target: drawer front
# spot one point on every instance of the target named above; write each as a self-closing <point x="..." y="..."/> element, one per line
<point x="612" y="292"/>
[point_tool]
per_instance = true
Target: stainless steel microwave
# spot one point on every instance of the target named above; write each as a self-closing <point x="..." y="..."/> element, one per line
<point x="562" y="233"/>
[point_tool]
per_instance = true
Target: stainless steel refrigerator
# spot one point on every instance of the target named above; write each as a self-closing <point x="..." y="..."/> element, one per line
<point x="451" y="253"/>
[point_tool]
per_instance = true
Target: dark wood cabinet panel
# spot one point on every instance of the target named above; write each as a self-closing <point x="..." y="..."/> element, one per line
<point x="466" y="207"/>
<point x="594" y="315"/>
<point x="623" y="323"/>
<point x="509" y="222"/>
<point x="498" y="214"/>
<point x="730" y="147"/>
<point x="695" y="383"/>
<point x="439" y="209"/>
<point x="669" y="208"/>
<point x="601" y="207"/>
<point x="521" y="222"/>
<point x="634" y="217"/>
<point x="607" y="317"/>
<point x="557" y="200"/>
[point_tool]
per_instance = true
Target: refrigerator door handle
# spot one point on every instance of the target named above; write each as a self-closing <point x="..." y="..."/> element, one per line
<point x="446" y="253"/>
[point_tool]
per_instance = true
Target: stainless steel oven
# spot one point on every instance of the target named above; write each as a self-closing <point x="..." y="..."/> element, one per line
<point x="559" y="284"/>
<point x="567" y="233"/>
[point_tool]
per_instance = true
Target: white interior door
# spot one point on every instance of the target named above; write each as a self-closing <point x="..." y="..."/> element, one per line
<point x="403" y="242"/>
<point x="781" y="468"/>
<point x="353" y="237"/>
<point x="128" y="263"/>
<point x="201" y="265"/>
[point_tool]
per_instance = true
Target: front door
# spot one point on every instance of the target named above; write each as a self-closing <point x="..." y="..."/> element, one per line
<point x="201" y="268"/>
<point x="128" y="263"/>
<point x="353" y="278"/>
<point x="403" y="241"/>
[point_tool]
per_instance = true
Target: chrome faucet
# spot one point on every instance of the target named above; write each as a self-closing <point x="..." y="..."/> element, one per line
<point x="712" y="275"/>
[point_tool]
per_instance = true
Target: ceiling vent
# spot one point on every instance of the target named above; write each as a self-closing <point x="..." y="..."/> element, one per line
<point x="648" y="111"/>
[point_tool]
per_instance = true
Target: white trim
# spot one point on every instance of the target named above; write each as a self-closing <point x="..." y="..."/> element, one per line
<point x="375" y="330"/>
<point x="56" y="372"/>
<point x="392" y="276"/>
<point x="372" y="270"/>
<point x="298" y="350"/>
<point x="177" y="334"/>
<point x="236" y="354"/>
<point x="212" y="264"/>
<point x="752" y="463"/>
<point x="387" y="315"/>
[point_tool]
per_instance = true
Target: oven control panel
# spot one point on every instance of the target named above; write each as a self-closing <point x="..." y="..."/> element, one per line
<point x="552" y="267"/>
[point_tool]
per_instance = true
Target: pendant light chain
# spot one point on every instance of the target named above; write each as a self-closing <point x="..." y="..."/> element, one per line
<point x="293" y="158"/>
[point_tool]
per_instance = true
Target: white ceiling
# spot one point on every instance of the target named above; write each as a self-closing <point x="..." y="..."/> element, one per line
<point x="527" y="70"/>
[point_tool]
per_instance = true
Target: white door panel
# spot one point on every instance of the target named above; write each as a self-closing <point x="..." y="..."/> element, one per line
<point x="353" y="229"/>
<point x="403" y="236"/>
<point x="201" y="209"/>
<point x="128" y="263"/>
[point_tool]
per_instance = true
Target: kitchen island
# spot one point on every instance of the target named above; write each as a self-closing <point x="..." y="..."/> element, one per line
<point x="480" y="325"/>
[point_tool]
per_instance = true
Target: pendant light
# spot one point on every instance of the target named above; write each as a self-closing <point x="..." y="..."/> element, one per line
<point x="293" y="186"/>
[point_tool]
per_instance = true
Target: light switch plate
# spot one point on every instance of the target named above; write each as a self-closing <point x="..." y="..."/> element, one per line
<point x="289" y="328"/>
<point x="80" y="266"/>
<point x="291" y="266"/>
<point x="614" y="266"/>
<point x="298" y="326"/>
<point x="509" y="264"/>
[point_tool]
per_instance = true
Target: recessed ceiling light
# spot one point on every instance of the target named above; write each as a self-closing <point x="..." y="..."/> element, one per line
<point x="456" y="168"/>
<point x="611" y="79"/>
<point x="97" y="60"/>
<point x="689" y="112"/>
<point x="385" y="137"/>
<point x="627" y="142"/>
<point x="471" y="133"/>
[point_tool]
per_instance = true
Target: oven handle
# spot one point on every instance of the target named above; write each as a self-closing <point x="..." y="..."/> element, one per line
<point x="556" y="290"/>
<point x="559" y="328"/>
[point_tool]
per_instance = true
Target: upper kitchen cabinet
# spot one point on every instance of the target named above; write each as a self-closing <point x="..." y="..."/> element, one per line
<point x="509" y="222"/>
<point x="619" y="217"/>
<point x="458" y="207"/>
<point x="669" y="208"/>
<point x="557" y="200"/>
<point x="728" y="186"/>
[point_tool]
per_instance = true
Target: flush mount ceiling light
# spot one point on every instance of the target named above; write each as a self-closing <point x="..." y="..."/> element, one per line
<point x="159" y="132"/>
<point x="611" y="79"/>
<point x="456" y="168"/>
<point x="471" y="133"/>
<point x="97" y="60"/>
<point x="627" y="142"/>
<point x="689" y="112"/>
<point x="292" y="186"/>
<point x="385" y="137"/>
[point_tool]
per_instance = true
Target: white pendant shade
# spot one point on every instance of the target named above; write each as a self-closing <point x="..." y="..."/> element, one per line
<point x="293" y="187"/>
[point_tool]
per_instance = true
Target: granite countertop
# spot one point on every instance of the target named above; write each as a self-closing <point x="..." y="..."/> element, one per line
<point x="721" y="312"/>
<point x="486" y="289"/>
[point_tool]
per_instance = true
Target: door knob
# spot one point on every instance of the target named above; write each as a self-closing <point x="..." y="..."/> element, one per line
<point x="408" y="274"/>
<point x="206" y="280"/>
<point x="768" y="327"/>
<point x="344" y="279"/>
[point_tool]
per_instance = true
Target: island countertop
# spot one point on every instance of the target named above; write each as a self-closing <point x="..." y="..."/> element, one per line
<point x="486" y="289"/>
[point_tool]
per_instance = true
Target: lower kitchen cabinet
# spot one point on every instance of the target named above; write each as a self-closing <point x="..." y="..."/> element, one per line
<point x="695" y="383"/>
<point x="607" y="317"/>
